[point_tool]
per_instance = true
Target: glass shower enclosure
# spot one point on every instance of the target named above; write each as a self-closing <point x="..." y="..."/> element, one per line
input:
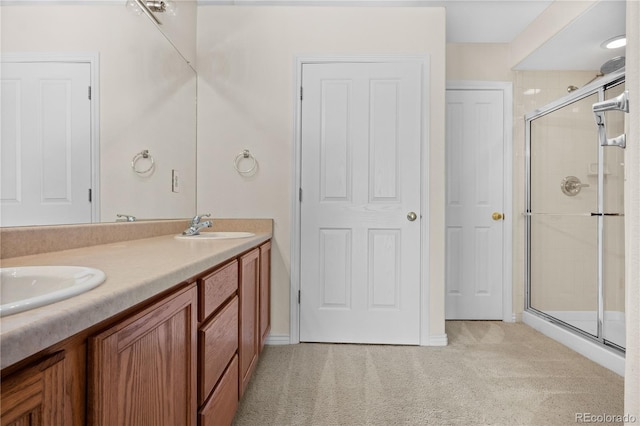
<point x="574" y="259"/>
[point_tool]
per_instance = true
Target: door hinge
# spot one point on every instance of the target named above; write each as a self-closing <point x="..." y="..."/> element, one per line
<point x="89" y="194"/>
<point x="298" y="297"/>
<point x="300" y="92"/>
<point x="300" y="194"/>
<point x="89" y="92"/>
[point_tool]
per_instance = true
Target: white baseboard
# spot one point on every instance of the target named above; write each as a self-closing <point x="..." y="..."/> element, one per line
<point x="438" y="340"/>
<point x="277" y="339"/>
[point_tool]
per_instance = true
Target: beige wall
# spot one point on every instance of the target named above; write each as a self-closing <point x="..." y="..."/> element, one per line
<point x="246" y="100"/>
<point x="478" y="61"/>
<point x="147" y="99"/>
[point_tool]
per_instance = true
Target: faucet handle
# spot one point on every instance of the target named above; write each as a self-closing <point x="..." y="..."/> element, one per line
<point x="127" y="217"/>
<point x="196" y="219"/>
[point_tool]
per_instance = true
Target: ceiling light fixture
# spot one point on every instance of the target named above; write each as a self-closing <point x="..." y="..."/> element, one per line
<point x="616" y="42"/>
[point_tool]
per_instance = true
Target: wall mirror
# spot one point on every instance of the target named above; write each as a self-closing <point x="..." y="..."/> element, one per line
<point x="142" y="98"/>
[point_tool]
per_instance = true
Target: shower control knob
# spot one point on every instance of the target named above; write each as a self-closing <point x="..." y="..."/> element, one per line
<point x="497" y="216"/>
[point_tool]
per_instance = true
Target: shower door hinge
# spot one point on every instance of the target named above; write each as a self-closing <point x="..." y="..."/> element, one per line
<point x="89" y="92"/>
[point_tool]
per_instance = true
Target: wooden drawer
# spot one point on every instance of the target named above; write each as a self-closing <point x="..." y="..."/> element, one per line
<point x="214" y="289"/>
<point x="222" y="406"/>
<point x="218" y="343"/>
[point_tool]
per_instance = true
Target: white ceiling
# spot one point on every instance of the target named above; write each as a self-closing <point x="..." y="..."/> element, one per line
<point x="576" y="47"/>
<point x="483" y="21"/>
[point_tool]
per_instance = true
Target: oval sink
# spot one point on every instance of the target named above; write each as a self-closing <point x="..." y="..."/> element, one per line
<point x="27" y="287"/>
<point x="216" y="236"/>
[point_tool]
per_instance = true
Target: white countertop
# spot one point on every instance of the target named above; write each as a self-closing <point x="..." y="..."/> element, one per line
<point x="136" y="270"/>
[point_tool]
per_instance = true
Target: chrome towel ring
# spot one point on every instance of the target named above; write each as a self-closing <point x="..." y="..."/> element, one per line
<point x="245" y="154"/>
<point x="143" y="154"/>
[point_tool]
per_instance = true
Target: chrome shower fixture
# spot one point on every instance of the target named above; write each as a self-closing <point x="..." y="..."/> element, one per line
<point x="571" y="186"/>
<point x="157" y="5"/>
<point x="612" y="65"/>
<point x="148" y="7"/>
<point x="619" y="103"/>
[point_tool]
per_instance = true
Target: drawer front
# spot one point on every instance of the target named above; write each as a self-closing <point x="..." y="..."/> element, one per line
<point x="222" y="406"/>
<point x="218" y="344"/>
<point x="216" y="288"/>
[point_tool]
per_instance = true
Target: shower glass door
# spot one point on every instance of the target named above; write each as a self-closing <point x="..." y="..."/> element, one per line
<point x="574" y="216"/>
<point x="563" y="233"/>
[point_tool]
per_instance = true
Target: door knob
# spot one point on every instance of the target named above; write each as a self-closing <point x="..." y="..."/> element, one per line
<point x="497" y="216"/>
<point x="412" y="216"/>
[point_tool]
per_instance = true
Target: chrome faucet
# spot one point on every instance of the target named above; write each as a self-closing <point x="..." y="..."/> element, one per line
<point x="195" y="226"/>
<point x="196" y="219"/>
<point x="126" y="217"/>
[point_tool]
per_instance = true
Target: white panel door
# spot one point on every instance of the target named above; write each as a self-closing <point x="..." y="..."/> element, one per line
<point x="46" y="143"/>
<point x="361" y="168"/>
<point x="474" y="152"/>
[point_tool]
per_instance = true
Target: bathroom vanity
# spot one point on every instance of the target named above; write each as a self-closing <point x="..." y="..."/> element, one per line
<point x="171" y="337"/>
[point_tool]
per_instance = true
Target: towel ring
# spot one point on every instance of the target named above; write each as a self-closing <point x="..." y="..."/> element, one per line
<point x="143" y="154"/>
<point x="242" y="155"/>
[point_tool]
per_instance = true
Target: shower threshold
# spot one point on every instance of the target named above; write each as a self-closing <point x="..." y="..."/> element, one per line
<point x="608" y="357"/>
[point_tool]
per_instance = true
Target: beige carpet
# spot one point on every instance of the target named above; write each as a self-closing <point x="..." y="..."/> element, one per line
<point x="492" y="373"/>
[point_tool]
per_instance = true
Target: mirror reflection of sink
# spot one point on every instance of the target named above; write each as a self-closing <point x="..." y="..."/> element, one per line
<point x="28" y="287"/>
<point x="216" y="236"/>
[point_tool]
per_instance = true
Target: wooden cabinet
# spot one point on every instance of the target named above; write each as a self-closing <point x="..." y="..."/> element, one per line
<point x="221" y="407"/>
<point x="49" y="391"/>
<point x="218" y="346"/>
<point x="265" y="292"/>
<point x="143" y="369"/>
<point x="179" y="359"/>
<point x="215" y="288"/>
<point x="248" y="292"/>
<point x="36" y="395"/>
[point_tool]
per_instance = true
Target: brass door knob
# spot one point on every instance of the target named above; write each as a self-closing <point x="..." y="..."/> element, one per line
<point x="497" y="216"/>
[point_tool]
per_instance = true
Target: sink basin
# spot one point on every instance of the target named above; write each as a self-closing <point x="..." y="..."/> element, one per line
<point x="28" y="287"/>
<point x="216" y="236"/>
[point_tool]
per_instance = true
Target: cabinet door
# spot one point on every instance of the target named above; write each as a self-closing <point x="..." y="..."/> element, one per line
<point x="221" y="407"/>
<point x="248" y="334"/>
<point x="265" y="292"/>
<point x="36" y="395"/>
<point x="142" y="370"/>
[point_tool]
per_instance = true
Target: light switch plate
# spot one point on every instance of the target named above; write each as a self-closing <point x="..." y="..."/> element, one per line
<point x="175" y="181"/>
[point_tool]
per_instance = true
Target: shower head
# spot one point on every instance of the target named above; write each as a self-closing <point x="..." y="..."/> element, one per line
<point x="613" y="64"/>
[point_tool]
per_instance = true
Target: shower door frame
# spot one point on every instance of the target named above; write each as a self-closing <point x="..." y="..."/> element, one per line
<point x="597" y="87"/>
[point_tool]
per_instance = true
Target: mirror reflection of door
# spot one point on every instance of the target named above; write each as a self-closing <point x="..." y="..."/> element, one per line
<point x="46" y="143"/>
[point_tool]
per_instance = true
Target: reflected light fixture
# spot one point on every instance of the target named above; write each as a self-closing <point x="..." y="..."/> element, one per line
<point x="149" y="7"/>
<point x="615" y="42"/>
<point x="161" y="6"/>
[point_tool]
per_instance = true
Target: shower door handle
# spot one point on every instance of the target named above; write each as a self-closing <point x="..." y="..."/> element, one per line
<point x="619" y="103"/>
